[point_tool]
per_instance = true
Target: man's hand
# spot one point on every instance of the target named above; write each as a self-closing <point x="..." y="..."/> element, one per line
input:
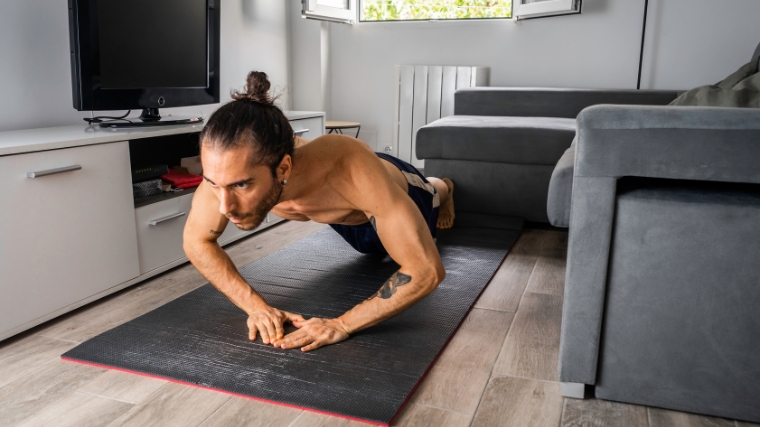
<point x="268" y="321"/>
<point x="313" y="333"/>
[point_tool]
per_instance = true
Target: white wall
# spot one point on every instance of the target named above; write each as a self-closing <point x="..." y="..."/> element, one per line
<point x="35" y="71"/>
<point x="305" y="60"/>
<point x="697" y="42"/>
<point x="311" y="77"/>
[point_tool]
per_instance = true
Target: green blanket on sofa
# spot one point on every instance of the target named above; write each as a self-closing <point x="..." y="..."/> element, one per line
<point x="740" y="89"/>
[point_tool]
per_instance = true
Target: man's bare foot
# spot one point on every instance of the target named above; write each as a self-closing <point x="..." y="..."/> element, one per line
<point x="446" y="212"/>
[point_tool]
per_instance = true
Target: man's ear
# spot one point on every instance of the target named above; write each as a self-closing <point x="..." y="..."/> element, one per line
<point x="284" y="168"/>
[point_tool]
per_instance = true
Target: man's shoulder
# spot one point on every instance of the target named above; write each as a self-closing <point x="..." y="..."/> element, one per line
<point x="337" y="150"/>
<point x="336" y="141"/>
<point x="340" y="160"/>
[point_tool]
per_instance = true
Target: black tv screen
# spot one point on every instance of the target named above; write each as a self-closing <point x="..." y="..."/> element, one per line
<point x="176" y="32"/>
<point x="130" y="54"/>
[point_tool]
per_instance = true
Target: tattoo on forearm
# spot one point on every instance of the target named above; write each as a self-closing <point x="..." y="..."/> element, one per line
<point x="215" y="232"/>
<point x="389" y="287"/>
<point x="372" y="221"/>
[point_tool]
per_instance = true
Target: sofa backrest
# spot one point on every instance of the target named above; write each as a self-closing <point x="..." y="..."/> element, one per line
<point x="548" y="102"/>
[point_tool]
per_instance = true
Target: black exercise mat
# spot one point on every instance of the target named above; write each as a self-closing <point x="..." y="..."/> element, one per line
<point x="201" y="338"/>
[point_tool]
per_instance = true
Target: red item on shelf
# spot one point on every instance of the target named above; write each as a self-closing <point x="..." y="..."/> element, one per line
<point x="182" y="180"/>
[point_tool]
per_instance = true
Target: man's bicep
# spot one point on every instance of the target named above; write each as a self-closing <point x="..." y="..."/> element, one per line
<point x="205" y="222"/>
<point x="405" y="235"/>
<point x="408" y="241"/>
<point x="401" y="227"/>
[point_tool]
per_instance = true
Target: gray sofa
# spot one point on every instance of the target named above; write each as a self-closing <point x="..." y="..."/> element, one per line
<point x="662" y="293"/>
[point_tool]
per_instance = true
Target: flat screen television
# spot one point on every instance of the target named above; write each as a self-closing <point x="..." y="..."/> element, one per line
<point x="144" y="54"/>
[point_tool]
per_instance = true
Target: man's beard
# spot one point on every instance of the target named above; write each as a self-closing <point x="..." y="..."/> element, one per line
<point x="261" y="211"/>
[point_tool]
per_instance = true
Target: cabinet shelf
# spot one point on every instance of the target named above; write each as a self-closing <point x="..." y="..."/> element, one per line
<point x="149" y="200"/>
<point x="167" y="150"/>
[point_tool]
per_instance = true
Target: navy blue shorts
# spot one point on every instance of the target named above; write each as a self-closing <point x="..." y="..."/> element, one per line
<point x="364" y="238"/>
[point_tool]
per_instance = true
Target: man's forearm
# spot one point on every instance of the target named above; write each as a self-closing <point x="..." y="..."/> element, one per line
<point x="217" y="267"/>
<point x="398" y="293"/>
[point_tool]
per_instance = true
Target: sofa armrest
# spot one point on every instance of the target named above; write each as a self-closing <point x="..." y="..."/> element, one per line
<point x="561" y="189"/>
<point x="696" y="143"/>
<point x="548" y="102"/>
<point x="692" y="143"/>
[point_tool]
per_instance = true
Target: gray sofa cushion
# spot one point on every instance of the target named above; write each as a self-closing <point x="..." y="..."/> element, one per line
<point x="524" y="140"/>
<point x="561" y="190"/>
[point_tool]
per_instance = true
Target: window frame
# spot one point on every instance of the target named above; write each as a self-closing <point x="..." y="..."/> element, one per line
<point x="544" y="9"/>
<point x="311" y="9"/>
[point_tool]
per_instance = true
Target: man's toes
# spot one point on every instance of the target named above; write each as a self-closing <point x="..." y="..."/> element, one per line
<point x="444" y="223"/>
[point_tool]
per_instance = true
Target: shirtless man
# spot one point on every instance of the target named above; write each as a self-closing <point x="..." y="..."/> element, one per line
<point x="251" y="166"/>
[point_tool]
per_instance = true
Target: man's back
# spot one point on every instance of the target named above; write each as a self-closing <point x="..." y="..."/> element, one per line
<point x="328" y="164"/>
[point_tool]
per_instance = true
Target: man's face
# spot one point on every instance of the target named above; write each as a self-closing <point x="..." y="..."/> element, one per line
<point x="246" y="193"/>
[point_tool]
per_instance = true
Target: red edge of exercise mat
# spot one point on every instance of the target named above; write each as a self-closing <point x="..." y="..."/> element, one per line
<point x="435" y="359"/>
<point x="98" y="365"/>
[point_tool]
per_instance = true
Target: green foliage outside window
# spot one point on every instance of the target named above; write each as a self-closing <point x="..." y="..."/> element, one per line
<point x="402" y="10"/>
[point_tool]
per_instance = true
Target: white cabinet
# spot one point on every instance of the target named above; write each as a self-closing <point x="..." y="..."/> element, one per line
<point x="64" y="236"/>
<point x="308" y="128"/>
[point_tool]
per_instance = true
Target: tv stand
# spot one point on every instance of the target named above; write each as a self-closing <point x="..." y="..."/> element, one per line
<point x="150" y="117"/>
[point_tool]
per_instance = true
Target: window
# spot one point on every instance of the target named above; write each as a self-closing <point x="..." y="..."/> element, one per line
<point x="425" y="10"/>
<point x="411" y="10"/>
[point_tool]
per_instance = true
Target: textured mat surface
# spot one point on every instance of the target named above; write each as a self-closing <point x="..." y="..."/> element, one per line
<point x="201" y="337"/>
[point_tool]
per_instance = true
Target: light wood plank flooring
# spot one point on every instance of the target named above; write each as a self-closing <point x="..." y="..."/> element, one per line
<point x="499" y="369"/>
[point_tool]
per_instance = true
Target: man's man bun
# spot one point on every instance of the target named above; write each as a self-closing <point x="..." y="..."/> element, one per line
<point x="256" y="89"/>
<point x="251" y="120"/>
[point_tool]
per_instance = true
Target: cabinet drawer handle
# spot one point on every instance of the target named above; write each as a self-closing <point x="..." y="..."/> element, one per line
<point x="53" y="171"/>
<point x="166" y="218"/>
<point x="300" y="132"/>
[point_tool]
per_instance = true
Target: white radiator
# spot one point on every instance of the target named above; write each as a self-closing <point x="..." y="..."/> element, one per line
<point x="425" y="93"/>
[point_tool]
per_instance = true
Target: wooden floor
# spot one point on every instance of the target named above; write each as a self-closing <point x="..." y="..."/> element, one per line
<point x="500" y="368"/>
